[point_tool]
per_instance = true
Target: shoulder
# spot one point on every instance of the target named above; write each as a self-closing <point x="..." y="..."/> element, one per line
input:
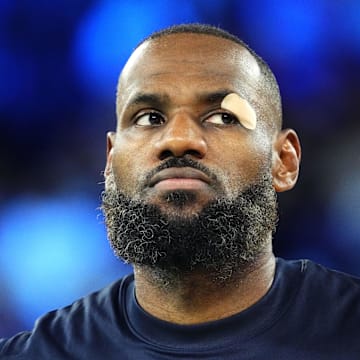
<point x="318" y="278"/>
<point x="332" y="286"/>
<point x="330" y="279"/>
<point x="318" y="273"/>
<point x="324" y="292"/>
<point x="77" y="324"/>
<point x="324" y="315"/>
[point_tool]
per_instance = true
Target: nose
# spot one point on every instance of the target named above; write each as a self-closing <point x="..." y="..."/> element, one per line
<point x="182" y="135"/>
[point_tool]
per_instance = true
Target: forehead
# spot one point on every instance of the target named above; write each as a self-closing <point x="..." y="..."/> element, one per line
<point x="186" y="63"/>
<point x="191" y="56"/>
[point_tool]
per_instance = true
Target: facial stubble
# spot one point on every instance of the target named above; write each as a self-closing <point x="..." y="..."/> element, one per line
<point x="225" y="238"/>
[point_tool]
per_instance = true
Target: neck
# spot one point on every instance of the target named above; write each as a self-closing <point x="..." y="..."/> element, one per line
<point x="195" y="298"/>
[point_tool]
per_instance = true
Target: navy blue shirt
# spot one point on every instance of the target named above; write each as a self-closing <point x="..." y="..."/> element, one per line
<point x="310" y="312"/>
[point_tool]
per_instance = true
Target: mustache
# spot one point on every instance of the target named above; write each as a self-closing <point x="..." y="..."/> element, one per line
<point x="179" y="162"/>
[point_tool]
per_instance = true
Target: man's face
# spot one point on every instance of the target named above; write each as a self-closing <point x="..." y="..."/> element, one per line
<point x="187" y="186"/>
<point x="168" y="105"/>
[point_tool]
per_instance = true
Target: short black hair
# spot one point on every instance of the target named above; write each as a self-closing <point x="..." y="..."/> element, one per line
<point x="270" y="84"/>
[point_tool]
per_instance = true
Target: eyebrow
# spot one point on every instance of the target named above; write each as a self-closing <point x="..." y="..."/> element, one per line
<point x="150" y="99"/>
<point x="213" y="97"/>
<point x="159" y="100"/>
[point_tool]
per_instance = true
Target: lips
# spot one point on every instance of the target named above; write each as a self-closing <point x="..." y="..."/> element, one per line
<point x="179" y="176"/>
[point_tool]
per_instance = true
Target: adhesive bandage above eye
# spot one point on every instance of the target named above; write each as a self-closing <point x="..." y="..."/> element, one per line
<point x="241" y="108"/>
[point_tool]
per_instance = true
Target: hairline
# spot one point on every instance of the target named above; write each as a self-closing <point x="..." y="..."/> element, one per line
<point x="269" y="82"/>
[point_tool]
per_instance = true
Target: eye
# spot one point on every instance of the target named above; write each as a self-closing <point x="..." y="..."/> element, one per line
<point x="222" y="119"/>
<point x="150" y="119"/>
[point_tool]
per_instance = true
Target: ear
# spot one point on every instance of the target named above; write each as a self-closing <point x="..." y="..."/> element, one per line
<point x="286" y="160"/>
<point x="110" y="141"/>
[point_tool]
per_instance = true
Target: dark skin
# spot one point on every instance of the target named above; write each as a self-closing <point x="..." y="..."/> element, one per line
<point x="169" y="105"/>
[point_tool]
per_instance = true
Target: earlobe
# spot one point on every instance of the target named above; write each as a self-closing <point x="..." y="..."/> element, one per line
<point x="110" y="140"/>
<point x="286" y="160"/>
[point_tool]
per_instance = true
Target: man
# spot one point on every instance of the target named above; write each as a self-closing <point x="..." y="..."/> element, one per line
<point x="190" y="200"/>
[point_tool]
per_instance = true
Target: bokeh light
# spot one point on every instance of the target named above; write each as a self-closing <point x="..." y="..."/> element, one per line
<point x="59" y="64"/>
<point x="56" y="242"/>
<point x="109" y="32"/>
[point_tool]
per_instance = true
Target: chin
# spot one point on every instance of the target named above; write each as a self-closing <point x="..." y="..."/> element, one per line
<point x="181" y="204"/>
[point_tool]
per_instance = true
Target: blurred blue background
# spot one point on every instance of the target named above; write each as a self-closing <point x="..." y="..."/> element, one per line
<point x="59" y="63"/>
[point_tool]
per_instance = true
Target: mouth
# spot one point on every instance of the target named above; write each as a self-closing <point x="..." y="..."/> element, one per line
<point x="184" y="178"/>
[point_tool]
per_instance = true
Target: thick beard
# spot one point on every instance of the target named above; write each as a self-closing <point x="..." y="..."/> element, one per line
<point x="225" y="238"/>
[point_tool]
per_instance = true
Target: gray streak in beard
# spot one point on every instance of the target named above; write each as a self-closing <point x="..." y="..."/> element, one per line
<point x="225" y="237"/>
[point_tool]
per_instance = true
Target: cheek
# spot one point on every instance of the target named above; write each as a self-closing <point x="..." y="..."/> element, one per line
<point x="130" y="162"/>
<point x="241" y="164"/>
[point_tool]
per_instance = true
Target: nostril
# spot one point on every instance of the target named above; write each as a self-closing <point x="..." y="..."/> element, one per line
<point x="166" y="154"/>
<point x="194" y="153"/>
